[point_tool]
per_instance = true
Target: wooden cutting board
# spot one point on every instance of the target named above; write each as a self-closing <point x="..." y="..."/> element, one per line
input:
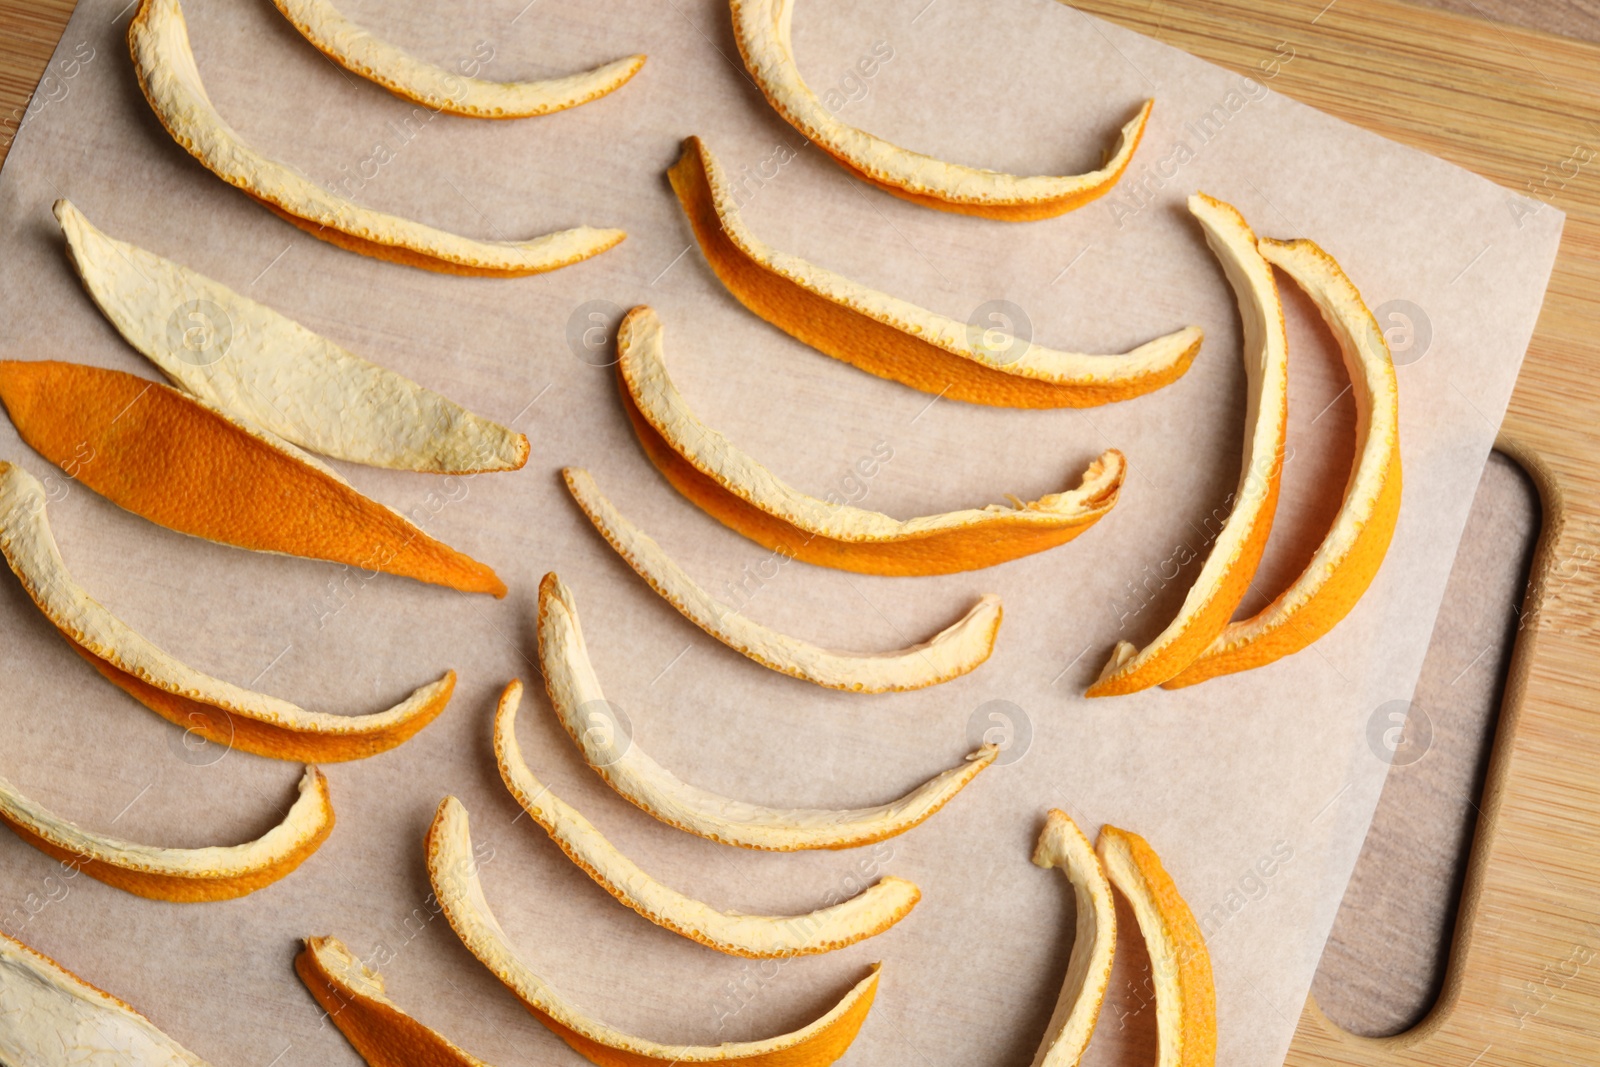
<point x="1523" y="109"/>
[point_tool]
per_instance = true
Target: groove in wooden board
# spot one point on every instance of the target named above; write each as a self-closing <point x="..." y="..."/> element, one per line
<point x="1504" y="102"/>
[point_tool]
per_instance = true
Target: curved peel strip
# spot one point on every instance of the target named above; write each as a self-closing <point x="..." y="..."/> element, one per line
<point x="574" y="691"/>
<point x="173" y="460"/>
<point x="1062" y="844"/>
<point x="762" y="30"/>
<point x="896" y="339"/>
<point x="179" y="874"/>
<point x="436" y="88"/>
<point x="208" y="707"/>
<point x="270" y="372"/>
<point x="454" y="876"/>
<point x="1180" y="965"/>
<point x="159" y="41"/>
<point x="870" y="912"/>
<point x="1228" y="570"/>
<point x="49" y="1017"/>
<point x="1353" y="549"/>
<point x="957" y="650"/>
<point x="737" y="491"/>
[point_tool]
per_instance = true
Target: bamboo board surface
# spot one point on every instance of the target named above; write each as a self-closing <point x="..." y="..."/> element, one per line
<point x="1513" y="105"/>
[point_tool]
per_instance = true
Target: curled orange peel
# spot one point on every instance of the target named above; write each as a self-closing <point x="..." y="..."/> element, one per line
<point x="898" y="340"/>
<point x="955" y="651"/>
<point x="53" y="1018"/>
<point x="158" y="38"/>
<point x="169" y="458"/>
<point x="179" y="874"/>
<point x="743" y="495"/>
<point x="867" y="914"/>
<point x="577" y="698"/>
<point x="1180" y="965"/>
<point x="1228" y="570"/>
<point x="438" y="89"/>
<point x="762" y="30"/>
<point x="208" y="707"/>
<point x="1350" y="554"/>
<point x="456" y="887"/>
<point x="1083" y="991"/>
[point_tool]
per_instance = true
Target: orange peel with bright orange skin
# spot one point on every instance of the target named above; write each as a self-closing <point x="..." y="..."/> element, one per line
<point x="186" y="875"/>
<point x="1228" y="570"/>
<point x="743" y="495"/>
<point x="456" y="887"/>
<point x="158" y="39"/>
<point x="762" y="30"/>
<point x="1349" y="556"/>
<point x="896" y="339"/>
<point x="1180" y="965"/>
<point x="169" y="458"/>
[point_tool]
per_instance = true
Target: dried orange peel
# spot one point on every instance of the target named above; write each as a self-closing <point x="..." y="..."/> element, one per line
<point x="271" y="373"/>
<point x="49" y="1017"/>
<point x="762" y="30"/>
<point x="1062" y="844"/>
<point x="1352" y="551"/>
<point x="957" y="650"/>
<point x="895" y="339"/>
<point x="179" y="874"/>
<point x="1180" y="965"/>
<point x="208" y="707"/>
<point x="159" y="41"/>
<point x="743" y="495"/>
<point x="870" y="912"/>
<point x="438" y="89"/>
<point x="456" y="887"/>
<point x="174" y="460"/>
<point x="1228" y="570"/>
<point x="577" y="698"/>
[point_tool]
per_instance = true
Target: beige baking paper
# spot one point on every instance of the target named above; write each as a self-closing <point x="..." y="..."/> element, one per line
<point x="1256" y="789"/>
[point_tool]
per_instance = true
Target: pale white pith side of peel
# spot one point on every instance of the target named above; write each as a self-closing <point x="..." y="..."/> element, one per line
<point x="50" y="1017"/>
<point x="955" y="651"/>
<point x="1014" y="355"/>
<point x="159" y="40"/>
<point x="454" y="875"/>
<point x="1265" y="350"/>
<point x="278" y="376"/>
<point x="1094" y="943"/>
<point x="30" y="550"/>
<point x="870" y="912"/>
<point x="397" y="70"/>
<point x="763" y="31"/>
<point x="641" y="353"/>
<point x="309" y="816"/>
<point x="1160" y="945"/>
<point x="574" y="687"/>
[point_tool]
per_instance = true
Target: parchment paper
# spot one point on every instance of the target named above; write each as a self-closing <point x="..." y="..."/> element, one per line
<point x="1256" y="789"/>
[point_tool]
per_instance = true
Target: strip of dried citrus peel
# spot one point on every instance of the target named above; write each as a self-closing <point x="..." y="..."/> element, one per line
<point x="895" y="339"/>
<point x="1228" y="570"/>
<point x="1180" y="965"/>
<point x="268" y="371"/>
<point x="1083" y="990"/>
<point x="403" y="74"/>
<point x="762" y="30"/>
<point x="957" y="650"/>
<point x="171" y="459"/>
<point x="743" y="495"/>
<point x="206" y="706"/>
<point x="1353" y="549"/>
<point x="576" y="696"/>
<point x="179" y="874"/>
<point x="460" y="895"/>
<point x="49" y="1017"/>
<point x="867" y="914"/>
<point x="159" y="41"/>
